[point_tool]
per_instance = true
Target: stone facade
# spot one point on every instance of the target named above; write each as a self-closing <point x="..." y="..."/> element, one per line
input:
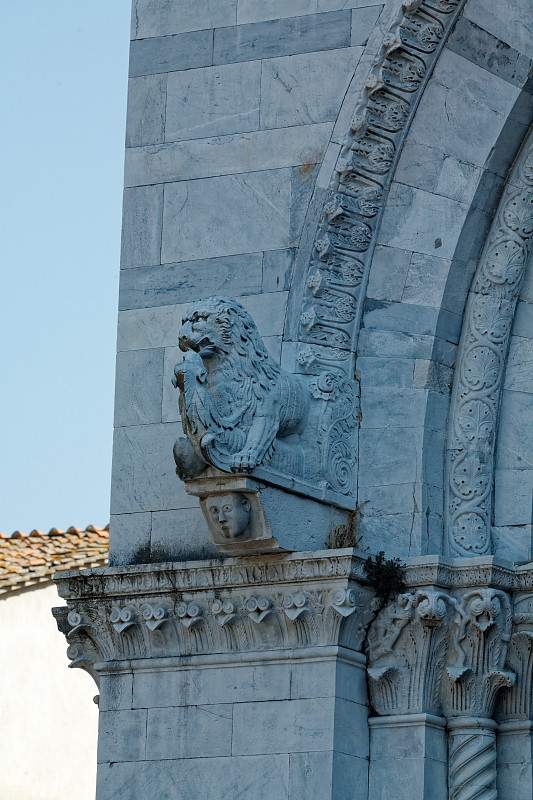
<point x="327" y="248"/>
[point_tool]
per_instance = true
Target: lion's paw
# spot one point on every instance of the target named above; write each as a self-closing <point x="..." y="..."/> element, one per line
<point x="244" y="461"/>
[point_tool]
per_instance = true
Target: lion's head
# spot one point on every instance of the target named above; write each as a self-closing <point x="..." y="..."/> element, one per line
<point x="220" y="326"/>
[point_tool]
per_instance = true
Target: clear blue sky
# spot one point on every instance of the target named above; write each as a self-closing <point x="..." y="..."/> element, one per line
<point x="63" y="84"/>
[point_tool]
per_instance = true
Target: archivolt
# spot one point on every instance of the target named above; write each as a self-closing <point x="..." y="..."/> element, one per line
<point x="331" y="275"/>
<point x="480" y="366"/>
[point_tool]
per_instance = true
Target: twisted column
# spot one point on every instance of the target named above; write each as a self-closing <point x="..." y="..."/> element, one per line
<point x="472" y="759"/>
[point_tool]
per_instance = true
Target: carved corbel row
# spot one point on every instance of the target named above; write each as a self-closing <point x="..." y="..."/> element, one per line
<point x="203" y="622"/>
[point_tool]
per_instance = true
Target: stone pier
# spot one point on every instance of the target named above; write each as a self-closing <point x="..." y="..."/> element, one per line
<point x="324" y="354"/>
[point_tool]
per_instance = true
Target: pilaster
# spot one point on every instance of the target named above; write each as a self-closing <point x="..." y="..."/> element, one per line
<point x="232" y="678"/>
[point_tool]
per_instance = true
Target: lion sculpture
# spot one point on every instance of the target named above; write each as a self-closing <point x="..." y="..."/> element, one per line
<point x="235" y="402"/>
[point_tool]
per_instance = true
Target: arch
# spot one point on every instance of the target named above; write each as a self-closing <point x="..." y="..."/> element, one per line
<point x="412" y="196"/>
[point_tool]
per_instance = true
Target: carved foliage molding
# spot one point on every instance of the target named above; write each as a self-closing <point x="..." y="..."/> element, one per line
<point x="407" y="649"/>
<point x="150" y="623"/>
<point x="481" y="361"/>
<point x="335" y="275"/>
<point x="479" y="639"/>
<point x="434" y="652"/>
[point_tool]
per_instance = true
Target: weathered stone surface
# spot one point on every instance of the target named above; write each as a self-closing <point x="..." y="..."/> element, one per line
<point x="307" y="88"/>
<point x="146" y="110"/>
<point x="130" y="537"/>
<point x="306" y="34"/>
<point x="138" y="387"/>
<point x="144" y="476"/>
<point x="421" y="221"/>
<point x="169" y="53"/>
<point x="238" y="153"/>
<point x="164" y="17"/>
<point x="179" y="536"/>
<point x="171" y="284"/>
<point x="213" y="101"/>
<point x="189" y="732"/>
<point x="475" y="43"/>
<point x="364" y="20"/>
<point x="262" y="777"/>
<point x="203" y="218"/>
<point x="141" y="226"/>
<point x="512" y="24"/>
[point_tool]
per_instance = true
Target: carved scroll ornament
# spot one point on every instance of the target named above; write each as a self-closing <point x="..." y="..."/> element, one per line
<point x="481" y="362"/>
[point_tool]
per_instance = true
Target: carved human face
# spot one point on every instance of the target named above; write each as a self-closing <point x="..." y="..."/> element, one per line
<point x="230" y="513"/>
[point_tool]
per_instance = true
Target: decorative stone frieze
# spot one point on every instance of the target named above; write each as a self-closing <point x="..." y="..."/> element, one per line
<point x="211" y="607"/>
<point x="327" y="296"/>
<point x="480" y="366"/>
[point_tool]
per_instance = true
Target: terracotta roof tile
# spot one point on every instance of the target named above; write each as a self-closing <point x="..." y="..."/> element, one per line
<point x="29" y="559"/>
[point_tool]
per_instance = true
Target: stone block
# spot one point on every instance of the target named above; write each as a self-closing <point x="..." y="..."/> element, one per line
<point x="487" y="51"/>
<point x="158" y="327"/>
<point x="203" y="218"/>
<point x="515" y="781"/>
<point x="138" y="387"/>
<point x="519" y="369"/>
<point x="122" y="735"/>
<point x="146" y="110"/>
<point x="226" y="155"/>
<point x="180" y="535"/>
<point x="213" y="101"/>
<point x="513" y="542"/>
<point x="388" y="456"/>
<point x="171" y="53"/>
<point x="277" y="269"/>
<point x="306" y="88"/>
<point x="302" y="185"/>
<point x="513" y="497"/>
<point x="262" y="10"/>
<point x="280" y="37"/>
<point x="115" y="691"/>
<point x="141" y="226"/>
<point x="399" y="498"/>
<point x="401" y="317"/>
<point x="388" y="372"/>
<point x="189" y="732"/>
<point x="129" y="541"/>
<point x="401" y="738"/>
<point x="219" y="778"/>
<point x="364" y="20"/>
<point x="215" y="684"/>
<point x="412" y="779"/>
<point x="170" y="284"/>
<point x="512" y="23"/>
<point x="515" y="439"/>
<point x="426" y="280"/>
<point x="388" y="273"/>
<point x="144" y="477"/>
<point x="328" y="678"/>
<point x="289" y="726"/>
<point x="463" y="122"/>
<point x="399" y="535"/>
<point x="169" y="409"/>
<point x="164" y="17"/>
<point x="400" y="408"/>
<point x="421" y="221"/>
<point x="351" y="728"/>
<point x="327" y="775"/>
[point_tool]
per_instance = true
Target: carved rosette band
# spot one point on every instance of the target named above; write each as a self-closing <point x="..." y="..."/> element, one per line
<point x="480" y="369"/>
